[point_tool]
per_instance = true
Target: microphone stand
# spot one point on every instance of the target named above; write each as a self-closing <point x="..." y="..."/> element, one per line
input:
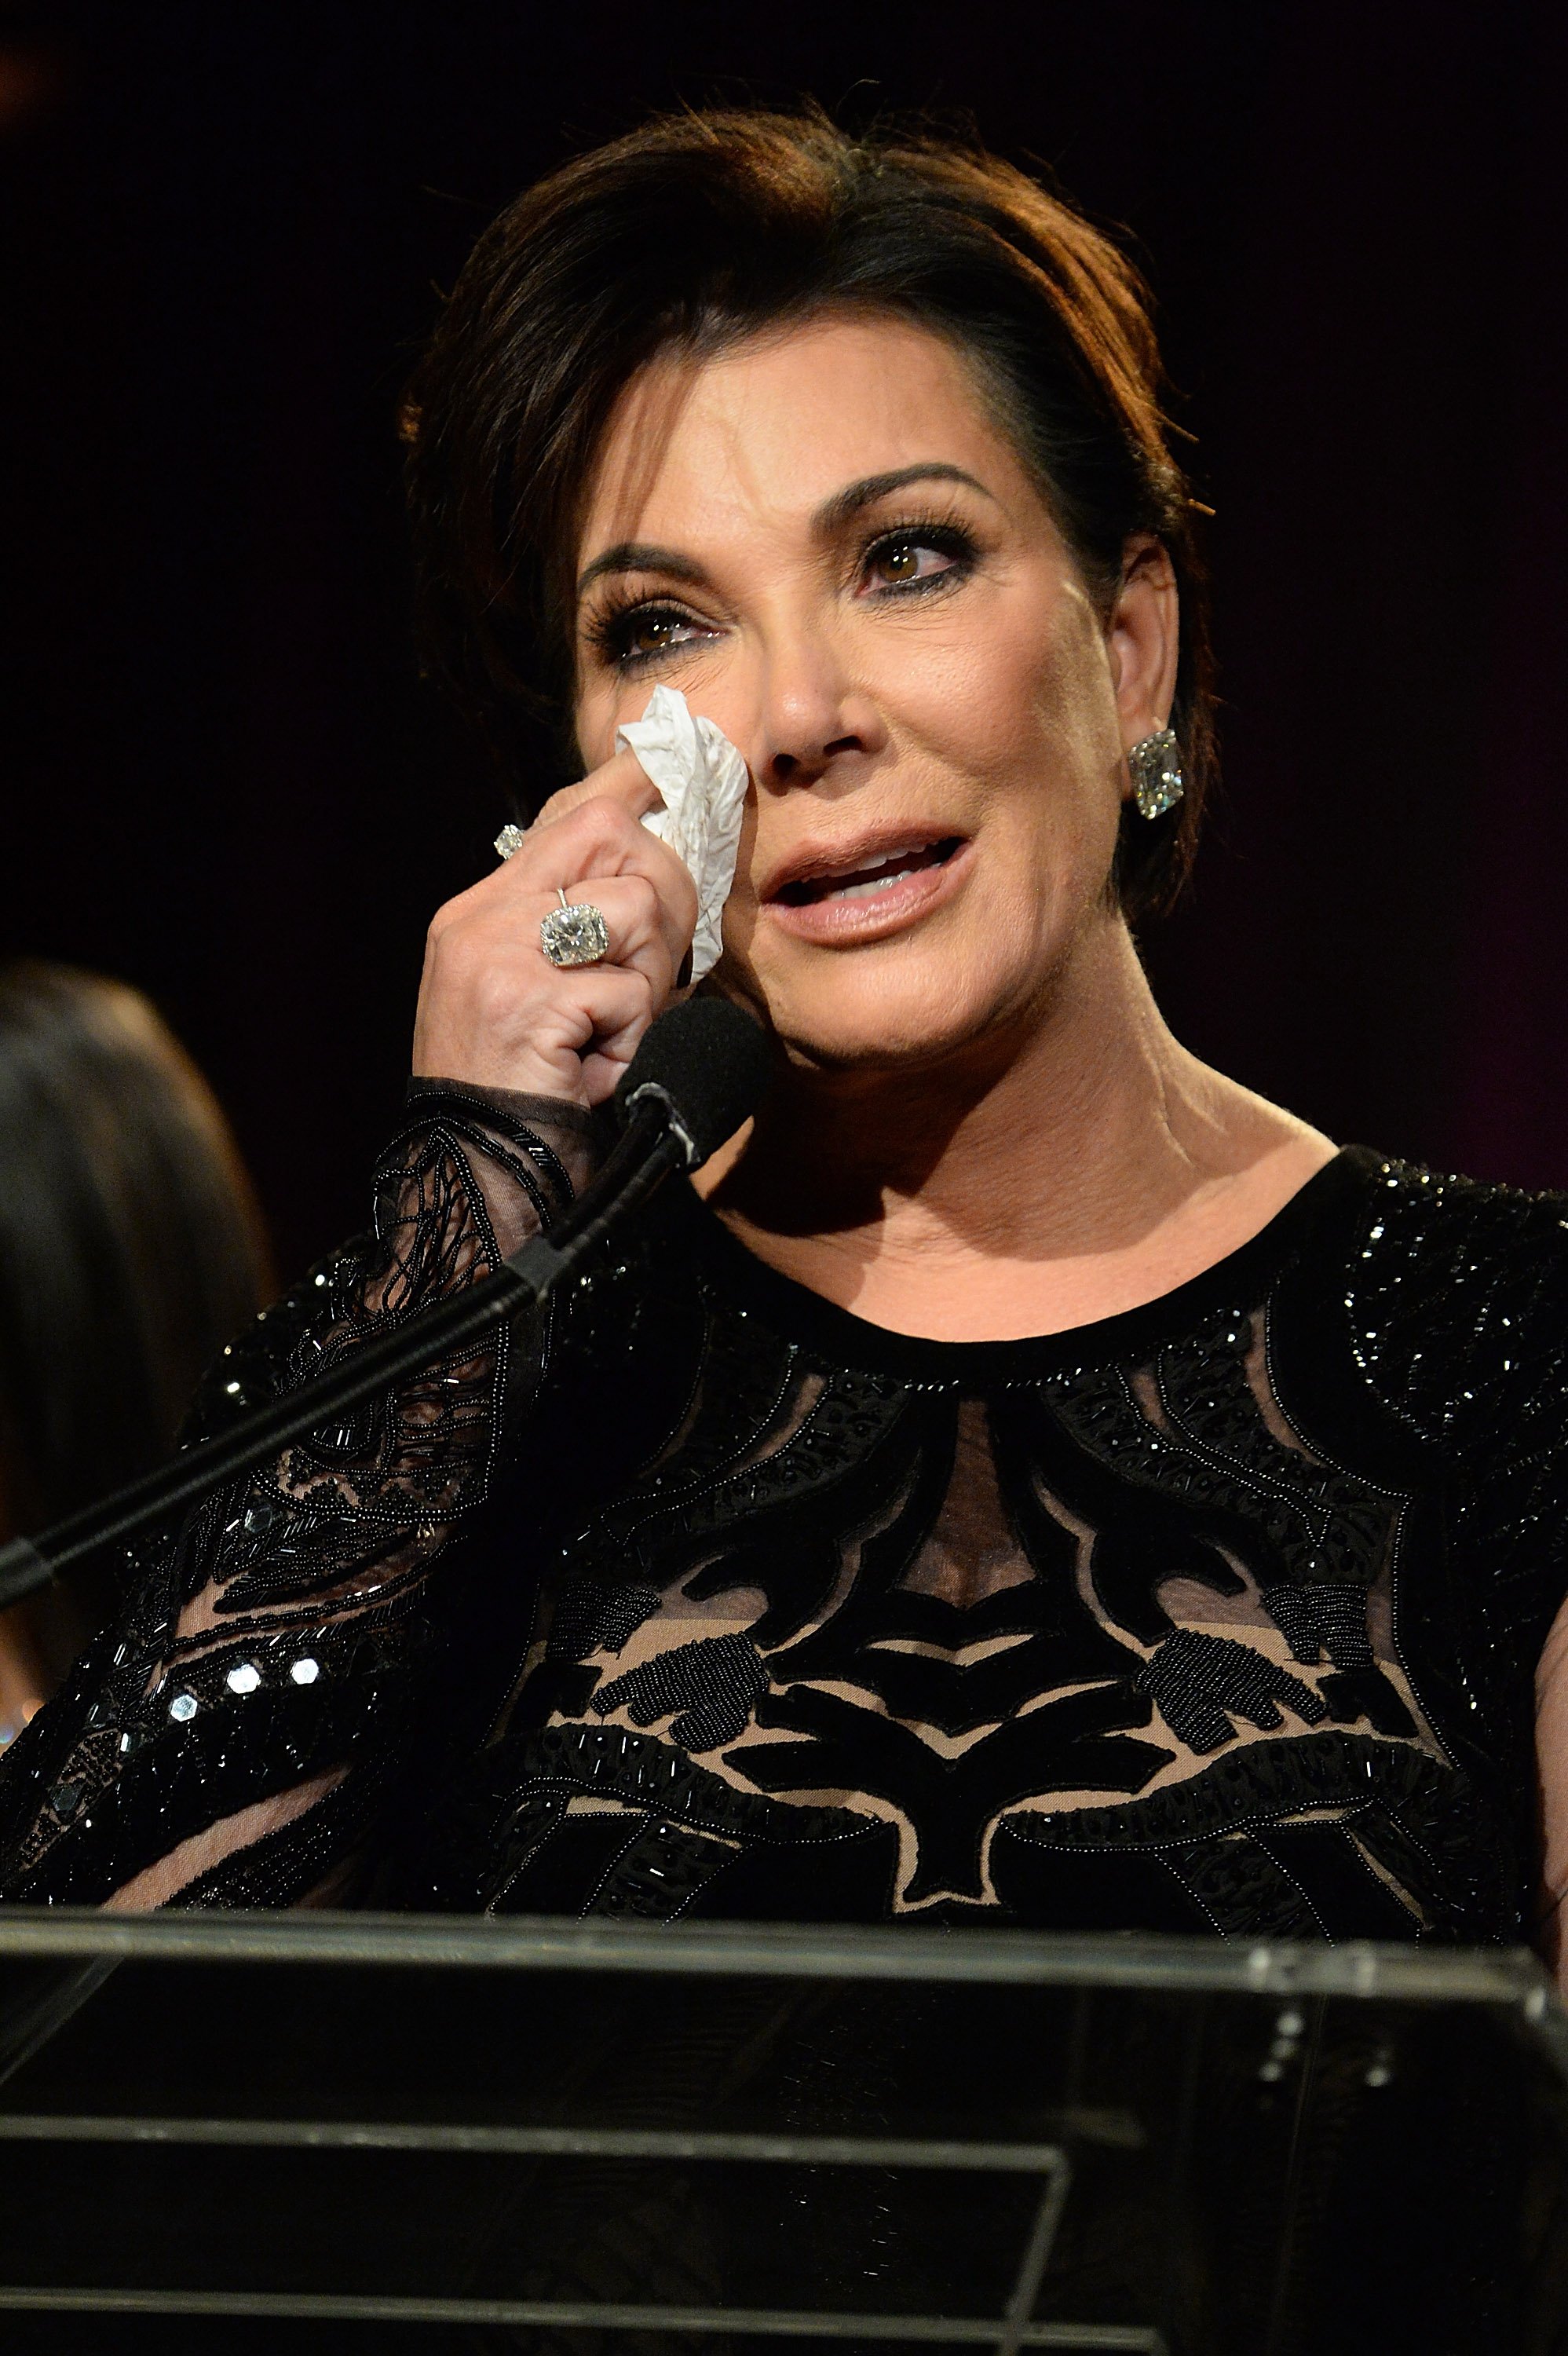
<point x="654" y="1143"/>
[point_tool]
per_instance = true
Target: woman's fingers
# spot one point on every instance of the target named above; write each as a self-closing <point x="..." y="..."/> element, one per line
<point x="590" y="1032"/>
<point x="634" y="920"/>
<point x="622" y="779"/>
<point x="494" y="1010"/>
<point x="598" y="837"/>
<point x="621" y="1017"/>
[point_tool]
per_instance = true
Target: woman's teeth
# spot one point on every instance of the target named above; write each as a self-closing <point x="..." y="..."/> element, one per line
<point x="862" y="883"/>
<point x="872" y="884"/>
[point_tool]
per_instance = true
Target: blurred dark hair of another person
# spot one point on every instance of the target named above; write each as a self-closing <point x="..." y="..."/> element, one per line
<point x="130" y="1249"/>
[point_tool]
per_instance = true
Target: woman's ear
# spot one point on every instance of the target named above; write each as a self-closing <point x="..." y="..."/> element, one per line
<point x="1142" y="640"/>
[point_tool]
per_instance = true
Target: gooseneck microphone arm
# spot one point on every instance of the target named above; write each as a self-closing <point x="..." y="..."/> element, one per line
<point x="668" y="1128"/>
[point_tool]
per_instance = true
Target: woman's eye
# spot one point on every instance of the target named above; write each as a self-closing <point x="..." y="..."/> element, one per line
<point x="653" y="632"/>
<point x="897" y="562"/>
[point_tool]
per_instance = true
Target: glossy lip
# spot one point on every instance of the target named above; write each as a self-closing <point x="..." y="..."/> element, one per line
<point x="850" y="922"/>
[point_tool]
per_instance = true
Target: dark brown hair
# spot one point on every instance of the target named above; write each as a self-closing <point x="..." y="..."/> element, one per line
<point x="701" y="229"/>
<point x="131" y="1250"/>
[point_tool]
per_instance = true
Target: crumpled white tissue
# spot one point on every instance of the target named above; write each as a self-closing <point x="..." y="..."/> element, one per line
<point x="703" y="781"/>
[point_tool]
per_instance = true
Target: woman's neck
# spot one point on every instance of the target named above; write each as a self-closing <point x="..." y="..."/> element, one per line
<point x="1081" y="1165"/>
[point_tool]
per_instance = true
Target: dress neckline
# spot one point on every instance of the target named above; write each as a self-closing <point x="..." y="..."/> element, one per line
<point x="839" y="1337"/>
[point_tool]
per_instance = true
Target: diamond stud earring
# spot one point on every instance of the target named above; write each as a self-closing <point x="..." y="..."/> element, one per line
<point x="1156" y="766"/>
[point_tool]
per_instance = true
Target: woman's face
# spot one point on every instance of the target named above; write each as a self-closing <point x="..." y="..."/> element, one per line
<point x="823" y="541"/>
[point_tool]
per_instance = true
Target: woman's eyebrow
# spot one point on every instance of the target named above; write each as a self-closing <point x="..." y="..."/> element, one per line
<point x="846" y="504"/>
<point x="642" y="556"/>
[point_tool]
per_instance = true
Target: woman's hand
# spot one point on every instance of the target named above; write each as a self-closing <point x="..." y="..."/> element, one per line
<point x="495" y="1011"/>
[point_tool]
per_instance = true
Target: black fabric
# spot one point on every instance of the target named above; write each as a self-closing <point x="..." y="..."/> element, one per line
<point x="708" y="1598"/>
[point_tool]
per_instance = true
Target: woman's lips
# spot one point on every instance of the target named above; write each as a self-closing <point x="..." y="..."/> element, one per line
<point x="887" y="891"/>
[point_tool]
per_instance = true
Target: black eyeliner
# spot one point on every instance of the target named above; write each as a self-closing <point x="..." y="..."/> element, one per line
<point x="609" y="630"/>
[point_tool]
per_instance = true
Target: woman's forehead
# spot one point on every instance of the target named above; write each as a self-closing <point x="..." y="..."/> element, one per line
<point x="768" y="430"/>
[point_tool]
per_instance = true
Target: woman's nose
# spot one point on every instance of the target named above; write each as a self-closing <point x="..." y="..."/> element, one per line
<point x="812" y="715"/>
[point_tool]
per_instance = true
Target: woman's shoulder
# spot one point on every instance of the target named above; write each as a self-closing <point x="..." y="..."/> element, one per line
<point x="1457" y="1295"/>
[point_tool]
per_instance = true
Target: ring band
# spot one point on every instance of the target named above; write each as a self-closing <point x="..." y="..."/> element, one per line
<point x="573" y="934"/>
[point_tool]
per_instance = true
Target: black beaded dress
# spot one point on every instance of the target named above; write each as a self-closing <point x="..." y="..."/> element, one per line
<point x="707" y="1599"/>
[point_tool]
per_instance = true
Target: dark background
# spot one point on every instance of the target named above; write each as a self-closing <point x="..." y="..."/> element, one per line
<point x="222" y="230"/>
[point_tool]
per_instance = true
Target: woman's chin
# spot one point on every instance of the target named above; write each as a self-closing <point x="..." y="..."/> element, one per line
<point x="913" y="999"/>
<point x="869" y="1025"/>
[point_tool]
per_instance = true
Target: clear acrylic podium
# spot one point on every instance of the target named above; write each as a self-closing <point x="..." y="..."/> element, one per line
<point x="355" y="2133"/>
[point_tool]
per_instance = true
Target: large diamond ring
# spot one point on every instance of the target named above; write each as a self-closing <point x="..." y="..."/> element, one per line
<point x="509" y="840"/>
<point x="574" y="934"/>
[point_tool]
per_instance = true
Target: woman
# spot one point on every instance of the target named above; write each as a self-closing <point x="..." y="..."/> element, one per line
<point x="130" y="1248"/>
<point x="1041" y="1483"/>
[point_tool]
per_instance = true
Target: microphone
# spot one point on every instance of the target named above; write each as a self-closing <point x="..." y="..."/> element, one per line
<point x="698" y="1074"/>
<point x="707" y="1063"/>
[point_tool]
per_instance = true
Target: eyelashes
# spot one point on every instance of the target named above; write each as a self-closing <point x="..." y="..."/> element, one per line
<point x="632" y="633"/>
<point x="951" y="541"/>
<point x="615" y="629"/>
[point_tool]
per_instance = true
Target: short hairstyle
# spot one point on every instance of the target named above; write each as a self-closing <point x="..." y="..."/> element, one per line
<point x="701" y="229"/>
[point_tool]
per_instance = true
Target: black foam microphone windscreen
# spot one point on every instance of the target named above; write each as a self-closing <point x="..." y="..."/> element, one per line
<point x="709" y="1063"/>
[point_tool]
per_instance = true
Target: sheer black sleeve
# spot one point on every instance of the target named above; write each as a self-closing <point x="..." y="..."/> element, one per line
<point x="229" y="1742"/>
